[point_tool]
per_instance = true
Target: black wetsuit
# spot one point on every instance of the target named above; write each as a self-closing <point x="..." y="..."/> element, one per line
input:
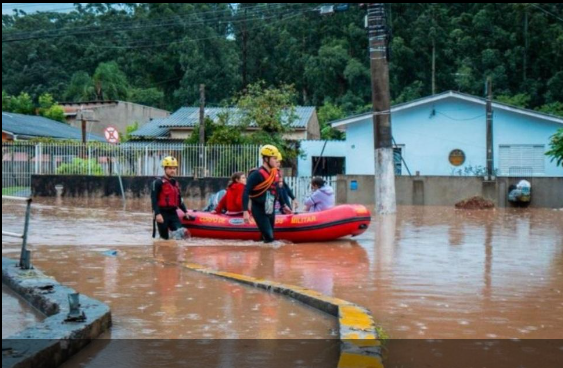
<point x="287" y="194"/>
<point x="265" y="222"/>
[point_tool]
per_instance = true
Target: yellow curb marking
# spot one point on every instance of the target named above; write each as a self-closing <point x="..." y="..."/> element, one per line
<point x="351" y="316"/>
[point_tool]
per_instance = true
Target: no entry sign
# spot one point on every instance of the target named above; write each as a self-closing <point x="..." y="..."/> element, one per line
<point x="112" y="135"/>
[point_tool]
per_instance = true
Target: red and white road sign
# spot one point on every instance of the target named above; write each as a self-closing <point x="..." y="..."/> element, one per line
<point x="112" y="135"/>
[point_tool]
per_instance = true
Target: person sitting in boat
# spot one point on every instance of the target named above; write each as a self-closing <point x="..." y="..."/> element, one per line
<point x="261" y="194"/>
<point x="286" y="192"/>
<point x="322" y="198"/>
<point x="166" y="198"/>
<point x="231" y="203"/>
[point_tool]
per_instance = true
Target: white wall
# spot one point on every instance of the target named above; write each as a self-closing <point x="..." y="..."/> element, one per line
<point x="360" y="152"/>
<point x="431" y="131"/>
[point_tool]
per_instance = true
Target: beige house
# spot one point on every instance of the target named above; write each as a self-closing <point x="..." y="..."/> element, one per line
<point x="180" y="125"/>
<point x="103" y="114"/>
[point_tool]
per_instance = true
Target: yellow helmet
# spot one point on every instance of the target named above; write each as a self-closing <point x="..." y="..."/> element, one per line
<point x="269" y="151"/>
<point x="169" y="162"/>
<point x="279" y="156"/>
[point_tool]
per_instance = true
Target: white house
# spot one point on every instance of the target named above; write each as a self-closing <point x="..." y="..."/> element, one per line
<point x="445" y="135"/>
<point x="322" y="158"/>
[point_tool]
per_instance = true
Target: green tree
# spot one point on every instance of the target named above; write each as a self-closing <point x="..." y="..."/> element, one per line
<point x="147" y="96"/>
<point x="48" y="108"/>
<point x="224" y="131"/>
<point x="81" y="88"/>
<point x="555" y="108"/>
<point x="556" y="151"/>
<point x="325" y="72"/>
<point x="519" y="100"/>
<point x="46" y="101"/>
<point x="55" y="112"/>
<point x="214" y="63"/>
<point x="411" y="92"/>
<point x="110" y="82"/>
<point x="210" y="127"/>
<point x="128" y="131"/>
<point x="23" y="104"/>
<point x="328" y="113"/>
<point x="6" y="102"/>
<point x="227" y="133"/>
<point x="230" y="47"/>
<point x="555" y="88"/>
<point x="272" y="111"/>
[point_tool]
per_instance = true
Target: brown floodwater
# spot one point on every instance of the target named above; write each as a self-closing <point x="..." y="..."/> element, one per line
<point x="20" y="315"/>
<point x="430" y="273"/>
<point x="444" y="284"/>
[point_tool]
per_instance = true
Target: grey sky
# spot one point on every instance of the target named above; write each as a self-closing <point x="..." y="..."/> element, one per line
<point x="7" y="8"/>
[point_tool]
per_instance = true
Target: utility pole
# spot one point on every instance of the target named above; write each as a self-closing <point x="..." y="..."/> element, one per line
<point x="201" y="173"/>
<point x="245" y="52"/>
<point x="433" y="34"/>
<point x="385" y="195"/>
<point x="85" y="117"/>
<point x="202" y="114"/>
<point x="490" y="162"/>
<point x="84" y="138"/>
<point x="433" y="66"/>
<point x="526" y="45"/>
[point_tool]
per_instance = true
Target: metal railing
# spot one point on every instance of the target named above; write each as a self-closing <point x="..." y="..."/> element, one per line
<point x="21" y="160"/>
<point x="25" y="256"/>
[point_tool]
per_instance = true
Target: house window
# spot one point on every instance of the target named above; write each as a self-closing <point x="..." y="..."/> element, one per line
<point x="522" y="160"/>
<point x="457" y="157"/>
<point x="398" y="160"/>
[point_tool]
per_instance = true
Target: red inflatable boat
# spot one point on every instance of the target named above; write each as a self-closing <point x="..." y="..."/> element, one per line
<point x="336" y="223"/>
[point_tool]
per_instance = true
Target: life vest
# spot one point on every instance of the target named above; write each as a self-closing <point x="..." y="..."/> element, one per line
<point x="270" y="182"/>
<point x="169" y="196"/>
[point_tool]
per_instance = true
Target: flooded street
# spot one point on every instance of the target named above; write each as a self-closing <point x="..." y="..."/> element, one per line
<point x="430" y="273"/>
<point x="150" y="300"/>
<point x="21" y="315"/>
<point x="435" y="279"/>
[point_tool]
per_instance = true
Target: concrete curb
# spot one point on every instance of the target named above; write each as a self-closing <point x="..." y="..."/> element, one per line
<point x="52" y="342"/>
<point x="361" y="345"/>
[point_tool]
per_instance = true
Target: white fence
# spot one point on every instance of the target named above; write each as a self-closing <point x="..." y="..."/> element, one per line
<point x="20" y="161"/>
<point x="301" y="187"/>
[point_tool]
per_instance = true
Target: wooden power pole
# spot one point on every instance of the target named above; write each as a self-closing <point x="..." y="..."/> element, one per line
<point x="201" y="171"/>
<point x="490" y="157"/>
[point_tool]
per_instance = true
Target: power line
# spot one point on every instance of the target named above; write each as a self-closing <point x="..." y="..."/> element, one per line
<point x="255" y="14"/>
<point x="114" y="24"/>
<point x="111" y="26"/>
<point x="285" y="17"/>
<point x="457" y="119"/>
<point x="133" y="22"/>
<point x="547" y="12"/>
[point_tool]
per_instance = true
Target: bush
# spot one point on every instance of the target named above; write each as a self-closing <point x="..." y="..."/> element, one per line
<point x="81" y="166"/>
<point x="556" y="151"/>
